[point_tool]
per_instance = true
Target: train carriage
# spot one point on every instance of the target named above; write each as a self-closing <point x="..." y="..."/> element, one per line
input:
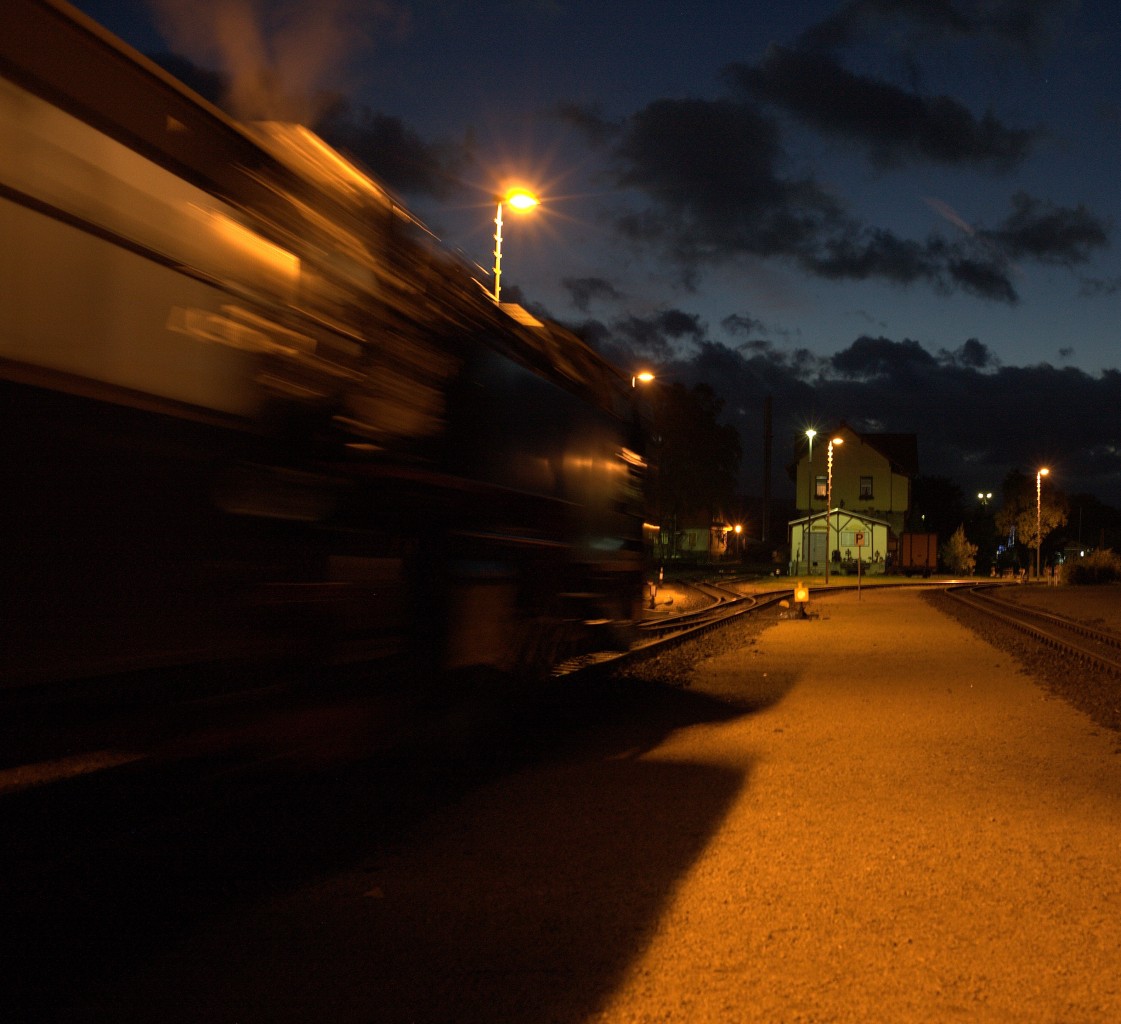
<point x="252" y="408"/>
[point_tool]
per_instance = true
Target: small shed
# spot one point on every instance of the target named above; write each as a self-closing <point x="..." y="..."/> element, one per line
<point x="839" y="535"/>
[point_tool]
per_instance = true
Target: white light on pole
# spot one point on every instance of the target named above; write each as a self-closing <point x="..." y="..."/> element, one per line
<point x="810" y="434"/>
<point x="829" y="500"/>
<point x="1039" y="516"/>
<point x="517" y="199"/>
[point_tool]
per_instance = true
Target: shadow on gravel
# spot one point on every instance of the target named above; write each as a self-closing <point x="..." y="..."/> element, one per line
<point x="508" y="865"/>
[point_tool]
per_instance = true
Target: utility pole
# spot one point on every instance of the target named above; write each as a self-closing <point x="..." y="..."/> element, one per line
<point x="768" y="442"/>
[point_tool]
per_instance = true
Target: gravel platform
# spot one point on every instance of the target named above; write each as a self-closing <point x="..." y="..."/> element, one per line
<point x="924" y="833"/>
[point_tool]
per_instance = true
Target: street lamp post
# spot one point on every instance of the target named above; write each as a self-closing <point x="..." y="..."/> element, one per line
<point x="517" y="199"/>
<point x="810" y="434"/>
<point x="829" y="499"/>
<point x="1039" y="516"/>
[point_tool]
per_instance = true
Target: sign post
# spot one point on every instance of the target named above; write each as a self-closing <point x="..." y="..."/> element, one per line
<point x="859" y="544"/>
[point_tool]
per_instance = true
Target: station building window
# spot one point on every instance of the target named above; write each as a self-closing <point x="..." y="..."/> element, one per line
<point x="865" y="488"/>
<point x="821" y="487"/>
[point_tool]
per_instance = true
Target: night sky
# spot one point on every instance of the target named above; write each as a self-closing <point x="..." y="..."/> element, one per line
<point x="895" y="213"/>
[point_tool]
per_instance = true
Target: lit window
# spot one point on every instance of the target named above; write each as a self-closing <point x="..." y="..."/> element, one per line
<point x="865" y="488"/>
<point x="822" y="487"/>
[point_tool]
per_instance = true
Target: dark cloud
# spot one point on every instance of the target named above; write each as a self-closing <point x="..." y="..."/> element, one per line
<point x="739" y="324"/>
<point x="1039" y="230"/>
<point x="1090" y="287"/>
<point x="710" y="166"/>
<point x="860" y="253"/>
<point x="1023" y="25"/>
<point x="677" y="324"/>
<point x="868" y="358"/>
<point x="599" y="336"/>
<point x="710" y="171"/>
<point x="986" y="278"/>
<point x="707" y="181"/>
<point x="973" y="355"/>
<point x="631" y="340"/>
<point x="583" y="290"/>
<point x="898" y="126"/>
<point x="396" y="154"/>
<point x="967" y="412"/>
<point x="588" y="121"/>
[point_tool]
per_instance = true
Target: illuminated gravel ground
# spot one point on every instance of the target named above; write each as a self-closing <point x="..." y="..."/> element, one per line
<point x="923" y="834"/>
<point x="869" y="816"/>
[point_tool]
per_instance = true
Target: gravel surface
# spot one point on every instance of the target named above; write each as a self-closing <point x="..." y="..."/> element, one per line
<point x="923" y="834"/>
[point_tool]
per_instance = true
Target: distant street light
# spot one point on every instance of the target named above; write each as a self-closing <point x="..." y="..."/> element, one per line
<point x="829" y="501"/>
<point x="1039" y="516"/>
<point x="518" y="199"/>
<point x="644" y="377"/>
<point x="984" y="497"/>
<point x="810" y="434"/>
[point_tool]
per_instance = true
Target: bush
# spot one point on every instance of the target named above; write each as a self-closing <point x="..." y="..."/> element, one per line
<point x="1102" y="566"/>
<point x="958" y="555"/>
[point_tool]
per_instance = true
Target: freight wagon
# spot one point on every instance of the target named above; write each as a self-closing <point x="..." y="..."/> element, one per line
<point x="918" y="553"/>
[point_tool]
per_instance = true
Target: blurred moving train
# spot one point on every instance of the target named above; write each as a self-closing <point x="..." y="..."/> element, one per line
<point x="251" y="408"/>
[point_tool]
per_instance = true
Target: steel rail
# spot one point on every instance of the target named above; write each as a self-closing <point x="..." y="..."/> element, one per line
<point x="668" y="633"/>
<point x="1055" y="631"/>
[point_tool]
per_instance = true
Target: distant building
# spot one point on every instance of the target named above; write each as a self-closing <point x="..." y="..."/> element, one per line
<point x="872" y="475"/>
<point x="844" y="538"/>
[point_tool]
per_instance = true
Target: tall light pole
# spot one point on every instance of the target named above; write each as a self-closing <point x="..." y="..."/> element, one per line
<point x="517" y="199"/>
<point x="810" y="434"/>
<point x="829" y="500"/>
<point x="1039" y="516"/>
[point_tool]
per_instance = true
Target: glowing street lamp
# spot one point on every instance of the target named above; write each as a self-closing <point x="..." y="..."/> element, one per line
<point x="1039" y="516"/>
<point x="810" y="435"/>
<point x="829" y="501"/>
<point x="522" y="201"/>
<point x="643" y="377"/>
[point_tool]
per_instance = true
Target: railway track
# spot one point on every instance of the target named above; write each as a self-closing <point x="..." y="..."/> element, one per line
<point x="722" y="604"/>
<point x="1100" y="649"/>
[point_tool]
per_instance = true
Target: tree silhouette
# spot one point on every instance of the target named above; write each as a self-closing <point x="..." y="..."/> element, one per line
<point x="937" y="505"/>
<point x="1017" y="515"/>
<point x="697" y="456"/>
